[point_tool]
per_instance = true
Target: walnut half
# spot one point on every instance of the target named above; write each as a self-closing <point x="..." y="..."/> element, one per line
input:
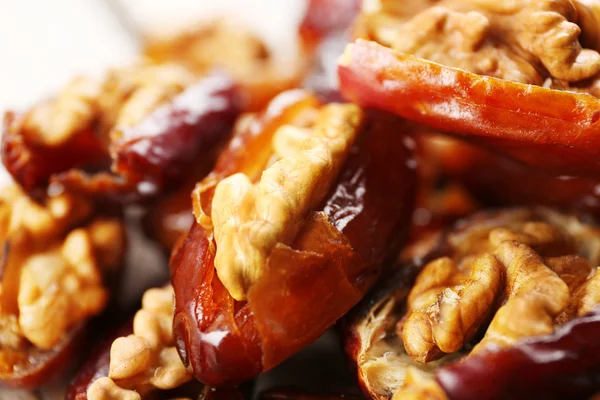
<point x="250" y="219"/>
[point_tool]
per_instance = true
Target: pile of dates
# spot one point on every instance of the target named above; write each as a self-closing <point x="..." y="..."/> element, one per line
<point x="424" y="179"/>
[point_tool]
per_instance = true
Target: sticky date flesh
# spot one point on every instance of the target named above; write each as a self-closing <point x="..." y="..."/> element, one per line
<point x="35" y="367"/>
<point x="563" y="365"/>
<point x="325" y="271"/>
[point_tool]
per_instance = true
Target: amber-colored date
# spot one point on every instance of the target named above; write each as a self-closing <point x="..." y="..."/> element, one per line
<point x="35" y="367"/>
<point x="510" y="117"/>
<point x="306" y="287"/>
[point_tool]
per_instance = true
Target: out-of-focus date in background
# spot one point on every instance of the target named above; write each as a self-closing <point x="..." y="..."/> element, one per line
<point x="45" y="43"/>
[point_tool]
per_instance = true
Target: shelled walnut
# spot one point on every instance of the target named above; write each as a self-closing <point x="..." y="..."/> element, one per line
<point x="525" y="41"/>
<point x="128" y="134"/>
<point x="145" y="360"/>
<point x="227" y="44"/>
<point x="55" y="257"/>
<point x="251" y="219"/>
<point x="495" y="279"/>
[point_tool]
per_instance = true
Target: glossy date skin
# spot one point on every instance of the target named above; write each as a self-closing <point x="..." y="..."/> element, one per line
<point x="564" y="365"/>
<point x="561" y="365"/>
<point x="146" y="159"/>
<point x="96" y="366"/>
<point x="306" y="287"/>
<point x="324" y="31"/>
<point x="509" y="117"/>
<point x="37" y="367"/>
<point x="496" y="180"/>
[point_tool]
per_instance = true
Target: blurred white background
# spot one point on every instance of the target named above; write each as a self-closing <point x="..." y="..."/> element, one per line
<point x="43" y="43"/>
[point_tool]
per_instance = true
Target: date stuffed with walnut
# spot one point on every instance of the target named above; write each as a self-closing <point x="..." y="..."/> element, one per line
<point x="57" y="260"/>
<point x="148" y="124"/>
<point x="500" y="304"/>
<point x="292" y="227"/>
<point x="518" y="77"/>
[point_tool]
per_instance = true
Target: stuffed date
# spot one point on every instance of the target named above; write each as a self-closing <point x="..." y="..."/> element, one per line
<point x="58" y="259"/>
<point x="292" y="227"/>
<point x="518" y="77"/>
<point x="503" y="306"/>
<point x="147" y="123"/>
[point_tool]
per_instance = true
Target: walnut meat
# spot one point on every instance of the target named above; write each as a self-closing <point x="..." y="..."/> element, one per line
<point x="250" y="219"/>
<point x="53" y="278"/>
<point x="492" y="281"/>
<point x="120" y="99"/>
<point x="63" y="286"/>
<point x="55" y="257"/>
<point x="147" y="359"/>
<point x="525" y="41"/>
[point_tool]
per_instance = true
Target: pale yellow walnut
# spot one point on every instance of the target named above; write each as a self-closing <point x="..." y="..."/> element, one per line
<point x="446" y="307"/>
<point x="50" y="282"/>
<point x="534" y="234"/>
<point x="122" y="98"/>
<point x="585" y="298"/>
<point x="11" y="336"/>
<point x="419" y="386"/>
<point x="155" y="85"/>
<point x="105" y="389"/>
<point x="250" y="219"/>
<point x="522" y="40"/>
<point x="535" y="296"/>
<point x="59" y="288"/>
<point x="36" y="223"/>
<point x="53" y="122"/>
<point x="574" y="270"/>
<point x="548" y="30"/>
<point x="147" y="359"/>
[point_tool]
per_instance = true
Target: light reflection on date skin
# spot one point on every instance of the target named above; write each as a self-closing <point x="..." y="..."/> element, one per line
<point x="308" y="286"/>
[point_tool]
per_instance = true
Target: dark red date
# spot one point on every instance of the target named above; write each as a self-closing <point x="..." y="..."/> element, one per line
<point x="564" y="365"/>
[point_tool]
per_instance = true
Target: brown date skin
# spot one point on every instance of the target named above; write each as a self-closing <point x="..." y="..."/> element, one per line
<point x="564" y="365"/>
<point x="147" y="159"/>
<point x="224" y="342"/>
<point x="31" y="164"/>
<point x="509" y="117"/>
<point x="39" y="367"/>
<point x="97" y="366"/>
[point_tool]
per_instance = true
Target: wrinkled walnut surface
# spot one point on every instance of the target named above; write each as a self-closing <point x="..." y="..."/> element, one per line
<point x="525" y="41"/>
<point x="55" y="258"/>
<point x="494" y="280"/>
<point x="145" y="360"/>
<point x="249" y="220"/>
